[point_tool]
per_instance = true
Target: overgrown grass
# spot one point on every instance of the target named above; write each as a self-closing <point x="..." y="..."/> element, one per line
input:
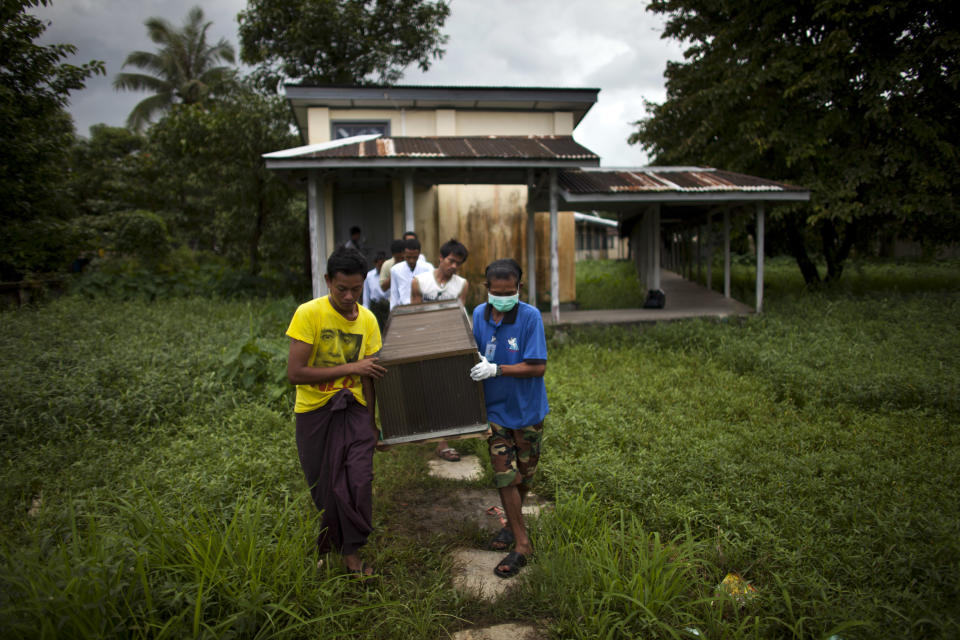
<point x="814" y="446"/>
<point x="613" y="284"/>
<point x="608" y="284"/>
<point x="151" y="487"/>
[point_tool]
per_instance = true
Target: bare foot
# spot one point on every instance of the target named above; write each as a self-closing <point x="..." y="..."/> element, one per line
<point x="356" y="565"/>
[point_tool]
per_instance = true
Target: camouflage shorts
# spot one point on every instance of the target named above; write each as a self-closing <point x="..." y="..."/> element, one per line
<point x="514" y="454"/>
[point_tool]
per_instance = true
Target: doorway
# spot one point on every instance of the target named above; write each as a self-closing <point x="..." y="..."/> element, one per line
<point x="368" y="205"/>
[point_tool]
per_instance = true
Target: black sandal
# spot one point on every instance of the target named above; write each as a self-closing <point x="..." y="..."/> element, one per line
<point x="504" y="537"/>
<point x="514" y="561"/>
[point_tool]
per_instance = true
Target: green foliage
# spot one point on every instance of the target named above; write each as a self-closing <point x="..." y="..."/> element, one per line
<point x="183" y="273"/>
<point x="850" y="99"/>
<point x="143" y="234"/>
<point x="812" y="450"/>
<point x="208" y="171"/>
<point x="613" y="578"/>
<point x="608" y="284"/>
<point x="181" y="71"/>
<point x="107" y="172"/>
<point x="257" y="362"/>
<point x="35" y="135"/>
<point x="145" y="571"/>
<point x="340" y="42"/>
<point x="800" y="443"/>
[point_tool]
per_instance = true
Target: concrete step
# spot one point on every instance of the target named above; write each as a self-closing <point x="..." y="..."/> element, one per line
<point x="499" y="632"/>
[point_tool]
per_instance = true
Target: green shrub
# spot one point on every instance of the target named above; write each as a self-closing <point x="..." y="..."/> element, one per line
<point x="143" y="234"/>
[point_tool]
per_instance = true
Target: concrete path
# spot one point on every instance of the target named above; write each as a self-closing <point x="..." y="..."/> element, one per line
<point x="473" y="574"/>
<point x="473" y="568"/>
<point x="684" y="299"/>
<point x="467" y="468"/>
<point x="499" y="632"/>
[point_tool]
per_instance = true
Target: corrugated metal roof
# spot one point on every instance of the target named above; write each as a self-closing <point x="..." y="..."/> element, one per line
<point x="458" y="148"/>
<point x="665" y="179"/>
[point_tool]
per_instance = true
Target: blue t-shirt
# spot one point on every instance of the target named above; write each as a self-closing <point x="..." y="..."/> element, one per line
<point x="513" y="402"/>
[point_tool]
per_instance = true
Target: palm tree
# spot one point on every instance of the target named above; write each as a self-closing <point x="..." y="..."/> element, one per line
<point x="181" y="71"/>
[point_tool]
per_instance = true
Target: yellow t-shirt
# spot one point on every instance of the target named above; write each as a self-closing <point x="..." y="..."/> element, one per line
<point x="335" y="341"/>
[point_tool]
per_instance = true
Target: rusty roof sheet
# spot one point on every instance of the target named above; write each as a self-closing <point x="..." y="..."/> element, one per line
<point x="665" y="179"/>
<point x="461" y="148"/>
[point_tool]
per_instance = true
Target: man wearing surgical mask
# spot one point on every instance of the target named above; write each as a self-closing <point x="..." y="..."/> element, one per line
<point x="513" y="358"/>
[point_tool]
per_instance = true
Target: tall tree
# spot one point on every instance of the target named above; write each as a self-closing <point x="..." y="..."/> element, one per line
<point x="341" y="41"/>
<point x="36" y="135"/>
<point x="206" y="160"/>
<point x="183" y="70"/>
<point x="855" y="99"/>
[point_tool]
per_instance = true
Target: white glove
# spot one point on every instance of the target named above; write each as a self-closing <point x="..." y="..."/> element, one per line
<point x="483" y="370"/>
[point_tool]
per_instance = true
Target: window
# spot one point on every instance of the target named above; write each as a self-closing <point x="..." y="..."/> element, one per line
<point x="349" y="128"/>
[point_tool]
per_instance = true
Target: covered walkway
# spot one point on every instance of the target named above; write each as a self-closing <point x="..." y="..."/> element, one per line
<point x="685" y="299"/>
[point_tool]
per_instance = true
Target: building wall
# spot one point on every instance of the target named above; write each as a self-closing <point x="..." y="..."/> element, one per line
<point x="443" y="122"/>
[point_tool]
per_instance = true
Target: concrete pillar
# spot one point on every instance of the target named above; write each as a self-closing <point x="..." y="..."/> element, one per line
<point x="318" y="232"/>
<point x="726" y="253"/>
<point x="554" y="255"/>
<point x="709" y="250"/>
<point x="531" y="242"/>
<point x="655" y="239"/>
<point x="760" y="232"/>
<point x="408" y="223"/>
<point x="699" y="252"/>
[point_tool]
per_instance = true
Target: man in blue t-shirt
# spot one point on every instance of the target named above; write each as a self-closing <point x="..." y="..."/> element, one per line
<point x="513" y="359"/>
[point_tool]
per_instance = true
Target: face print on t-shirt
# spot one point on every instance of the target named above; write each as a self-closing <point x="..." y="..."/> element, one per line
<point x="337" y="347"/>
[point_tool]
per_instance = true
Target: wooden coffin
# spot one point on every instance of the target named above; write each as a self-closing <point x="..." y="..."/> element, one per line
<point x="428" y="350"/>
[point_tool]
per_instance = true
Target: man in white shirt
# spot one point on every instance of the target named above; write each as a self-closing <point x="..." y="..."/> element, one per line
<point x="371" y="284"/>
<point x="403" y="273"/>
<point x="443" y="283"/>
<point x="396" y="251"/>
<point x="375" y="298"/>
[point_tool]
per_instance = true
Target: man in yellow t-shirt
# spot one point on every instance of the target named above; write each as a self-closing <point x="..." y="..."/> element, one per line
<point x="332" y="360"/>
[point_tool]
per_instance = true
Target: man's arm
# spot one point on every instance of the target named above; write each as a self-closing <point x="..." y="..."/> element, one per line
<point x="524" y="370"/>
<point x="415" y="295"/>
<point x="385" y="277"/>
<point x="463" y="294"/>
<point x="299" y="373"/>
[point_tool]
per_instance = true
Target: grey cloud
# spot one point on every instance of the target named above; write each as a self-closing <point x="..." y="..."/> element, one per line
<point x="613" y="45"/>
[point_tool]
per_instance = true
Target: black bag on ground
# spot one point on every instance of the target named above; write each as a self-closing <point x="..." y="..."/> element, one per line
<point x="655" y="299"/>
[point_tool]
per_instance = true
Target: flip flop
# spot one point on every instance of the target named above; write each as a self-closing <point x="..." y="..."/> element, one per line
<point x="504" y="537"/>
<point x="449" y="454"/>
<point x="514" y="561"/>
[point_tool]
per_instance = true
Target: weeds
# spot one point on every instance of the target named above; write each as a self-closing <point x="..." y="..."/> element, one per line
<point x="151" y="487"/>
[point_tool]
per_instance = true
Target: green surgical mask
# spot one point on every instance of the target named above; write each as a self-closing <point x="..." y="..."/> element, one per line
<point x="503" y="303"/>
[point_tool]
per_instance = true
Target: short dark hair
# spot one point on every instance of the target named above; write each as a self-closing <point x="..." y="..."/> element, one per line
<point x="454" y="247"/>
<point x="397" y="246"/>
<point x="504" y="269"/>
<point x="380" y="256"/>
<point x="348" y="261"/>
<point x="409" y="233"/>
<point x="412" y="243"/>
<point x="355" y="230"/>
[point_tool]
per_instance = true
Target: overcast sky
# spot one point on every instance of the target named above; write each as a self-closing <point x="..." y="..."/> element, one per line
<point x="612" y="45"/>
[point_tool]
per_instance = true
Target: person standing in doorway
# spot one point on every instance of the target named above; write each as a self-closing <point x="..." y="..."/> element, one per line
<point x="356" y="241"/>
<point x="513" y="359"/>
<point x="443" y="283"/>
<point x="332" y="360"/>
